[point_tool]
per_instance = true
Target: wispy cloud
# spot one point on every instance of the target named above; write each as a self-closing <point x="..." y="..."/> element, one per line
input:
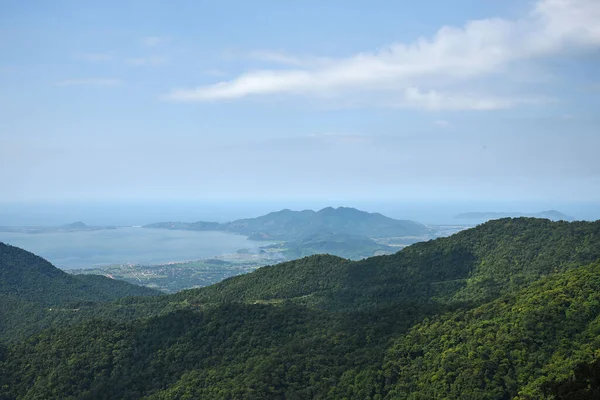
<point x="152" y="41"/>
<point x="432" y="73"/>
<point x="90" y="82"/>
<point x="454" y="101"/>
<point x="441" y="123"/>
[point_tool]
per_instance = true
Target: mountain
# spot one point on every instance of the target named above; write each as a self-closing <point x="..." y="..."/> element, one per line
<point x="29" y="282"/>
<point x="486" y="216"/>
<point x="509" y="309"/>
<point x="288" y="225"/>
<point x="509" y="348"/>
<point x="476" y="264"/>
<point x="76" y="225"/>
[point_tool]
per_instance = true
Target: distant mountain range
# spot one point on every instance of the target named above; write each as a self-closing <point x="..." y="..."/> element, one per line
<point x="293" y="225"/>
<point x="552" y="215"/>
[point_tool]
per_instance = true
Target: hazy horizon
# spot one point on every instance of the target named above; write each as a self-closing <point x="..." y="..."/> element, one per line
<point x="141" y="213"/>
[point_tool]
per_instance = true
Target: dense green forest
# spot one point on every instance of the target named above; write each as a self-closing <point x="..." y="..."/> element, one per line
<point x="507" y="310"/>
<point x="32" y="291"/>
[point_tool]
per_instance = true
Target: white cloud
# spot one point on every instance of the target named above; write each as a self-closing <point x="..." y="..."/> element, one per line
<point x="432" y="73"/>
<point x="90" y="82"/>
<point x="152" y="41"/>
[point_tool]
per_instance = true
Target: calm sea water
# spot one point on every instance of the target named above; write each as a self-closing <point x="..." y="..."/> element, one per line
<point x="69" y="250"/>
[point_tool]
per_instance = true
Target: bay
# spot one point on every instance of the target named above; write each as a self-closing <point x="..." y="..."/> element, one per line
<point x="70" y="250"/>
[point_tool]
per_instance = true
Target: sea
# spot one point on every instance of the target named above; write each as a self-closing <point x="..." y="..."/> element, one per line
<point x="131" y="244"/>
<point x="127" y="245"/>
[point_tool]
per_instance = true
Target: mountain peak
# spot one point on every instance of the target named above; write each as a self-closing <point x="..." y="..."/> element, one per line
<point x="341" y="211"/>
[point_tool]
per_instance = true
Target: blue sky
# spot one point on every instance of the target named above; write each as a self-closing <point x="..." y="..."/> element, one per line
<point x="357" y="100"/>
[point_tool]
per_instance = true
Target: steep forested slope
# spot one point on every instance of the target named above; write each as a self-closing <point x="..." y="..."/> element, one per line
<point x="31" y="289"/>
<point x="31" y="278"/>
<point x="504" y="349"/>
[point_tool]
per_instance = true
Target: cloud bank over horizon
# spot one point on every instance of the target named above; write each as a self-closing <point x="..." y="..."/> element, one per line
<point x="445" y="72"/>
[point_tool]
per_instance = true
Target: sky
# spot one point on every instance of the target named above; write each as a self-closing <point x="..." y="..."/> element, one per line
<point x="358" y="100"/>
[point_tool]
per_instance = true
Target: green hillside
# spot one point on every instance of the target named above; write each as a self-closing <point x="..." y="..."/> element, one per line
<point x="471" y="266"/>
<point x="507" y="310"/>
<point x="508" y="348"/>
<point x="30" y="285"/>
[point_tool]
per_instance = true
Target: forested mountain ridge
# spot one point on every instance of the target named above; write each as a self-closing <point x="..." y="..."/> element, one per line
<point x="288" y="225"/>
<point x="29" y="285"/>
<point x="552" y="215"/>
<point x="32" y="278"/>
<point x="473" y="265"/>
<point x="507" y="310"/>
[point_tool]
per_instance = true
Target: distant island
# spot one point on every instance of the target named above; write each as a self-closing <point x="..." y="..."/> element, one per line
<point x="290" y="225"/>
<point x="343" y="231"/>
<point x="552" y="215"/>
